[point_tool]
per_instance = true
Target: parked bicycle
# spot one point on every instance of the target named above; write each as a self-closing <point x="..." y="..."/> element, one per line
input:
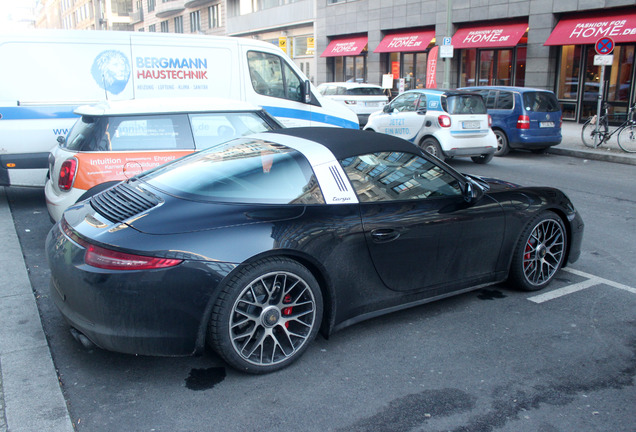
<point x="626" y="137"/>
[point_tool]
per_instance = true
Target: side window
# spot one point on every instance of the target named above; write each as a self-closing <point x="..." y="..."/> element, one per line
<point x="405" y="103"/>
<point x="505" y="100"/>
<point x="210" y="129"/>
<point x="422" y="103"/>
<point x="272" y="76"/>
<point x="489" y="96"/>
<point x="398" y="176"/>
<point x="161" y="132"/>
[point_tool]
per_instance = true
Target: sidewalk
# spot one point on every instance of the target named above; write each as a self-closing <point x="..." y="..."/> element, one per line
<point x="30" y="395"/>
<point x="572" y="145"/>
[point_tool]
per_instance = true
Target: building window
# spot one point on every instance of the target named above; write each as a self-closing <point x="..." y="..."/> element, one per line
<point x="151" y="5"/>
<point x="164" y="26"/>
<point x="214" y="19"/>
<point x="141" y="29"/>
<point x="178" y="24"/>
<point x="152" y="28"/>
<point x="347" y="68"/>
<point x="195" y="21"/>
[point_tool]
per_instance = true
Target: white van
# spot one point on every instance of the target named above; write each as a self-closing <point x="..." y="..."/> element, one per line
<point x="47" y="74"/>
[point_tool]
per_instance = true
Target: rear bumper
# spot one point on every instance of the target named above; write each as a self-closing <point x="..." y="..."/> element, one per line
<point x="471" y="151"/>
<point x="150" y="312"/>
<point x="56" y="202"/>
<point x="533" y="141"/>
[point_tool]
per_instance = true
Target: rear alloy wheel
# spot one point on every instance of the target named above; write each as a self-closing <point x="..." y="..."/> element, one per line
<point x="266" y="316"/>
<point x="430" y="145"/>
<point x="540" y="252"/>
<point x="483" y="159"/>
<point x="502" y="143"/>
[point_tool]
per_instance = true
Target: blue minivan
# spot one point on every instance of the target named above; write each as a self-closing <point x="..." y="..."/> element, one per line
<point x="522" y="118"/>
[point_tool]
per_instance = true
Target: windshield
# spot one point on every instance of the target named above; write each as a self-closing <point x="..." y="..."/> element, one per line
<point x="540" y="102"/>
<point x="365" y="91"/>
<point x="464" y="104"/>
<point x="242" y="170"/>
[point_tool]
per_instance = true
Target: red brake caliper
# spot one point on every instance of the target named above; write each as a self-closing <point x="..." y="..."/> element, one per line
<point x="288" y="310"/>
<point x="526" y="256"/>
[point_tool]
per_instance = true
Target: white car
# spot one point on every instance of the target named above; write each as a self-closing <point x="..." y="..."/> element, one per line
<point x="116" y="140"/>
<point x="362" y="99"/>
<point x="445" y="123"/>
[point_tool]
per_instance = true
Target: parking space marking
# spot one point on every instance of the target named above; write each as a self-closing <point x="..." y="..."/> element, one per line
<point x="591" y="281"/>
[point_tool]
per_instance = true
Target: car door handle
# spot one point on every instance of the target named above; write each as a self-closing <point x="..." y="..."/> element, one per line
<point x="383" y="235"/>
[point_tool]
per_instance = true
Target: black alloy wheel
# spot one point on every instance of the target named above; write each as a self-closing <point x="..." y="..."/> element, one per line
<point x="266" y="315"/>
<point x="540" y="252"/>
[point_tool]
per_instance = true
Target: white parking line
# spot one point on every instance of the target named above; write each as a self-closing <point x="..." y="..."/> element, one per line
<point x="591" y="281"/>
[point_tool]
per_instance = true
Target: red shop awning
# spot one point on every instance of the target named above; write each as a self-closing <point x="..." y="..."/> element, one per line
<point x="345" y="47"/>
<point x="405" y="42"/>
<point x="580" y="29"/>
<point x="490" y="36"/>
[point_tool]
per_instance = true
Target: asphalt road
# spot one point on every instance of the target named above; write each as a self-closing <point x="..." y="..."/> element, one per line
<point x="491" y="360"/>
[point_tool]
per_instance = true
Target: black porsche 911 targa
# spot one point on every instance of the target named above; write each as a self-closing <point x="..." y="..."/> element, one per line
<point x="254" y="246"/>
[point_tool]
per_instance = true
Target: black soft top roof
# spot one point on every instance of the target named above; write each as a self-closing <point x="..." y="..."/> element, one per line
<point x="344" y="143"/>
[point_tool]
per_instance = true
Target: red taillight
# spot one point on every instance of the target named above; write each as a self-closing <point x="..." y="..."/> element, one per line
<point x="100" y="257"/>
<point x="561" y="122"/>
<point x="67" y="174"/>
<point x="489" y="121"/>
<point x="523" y="122"/>
<point x="444" y="121"/>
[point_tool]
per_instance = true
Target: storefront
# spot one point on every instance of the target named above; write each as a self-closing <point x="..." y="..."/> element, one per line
<point x="492" y="53"/>
<point x="404" y="55"/>
<point x="578" y="80"/>
<point x="347" y="59"/>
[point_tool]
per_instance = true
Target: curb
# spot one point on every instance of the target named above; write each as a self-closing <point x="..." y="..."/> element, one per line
<point x="30" y="390"/>
<point x="594" y="155"/>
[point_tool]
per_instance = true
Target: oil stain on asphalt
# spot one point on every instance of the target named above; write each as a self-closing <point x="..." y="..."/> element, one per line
<point x="486" y="294"/>
<point x="205" y="379"/>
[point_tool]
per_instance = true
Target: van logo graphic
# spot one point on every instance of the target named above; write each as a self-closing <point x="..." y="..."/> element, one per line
<point x="111" y="71"/>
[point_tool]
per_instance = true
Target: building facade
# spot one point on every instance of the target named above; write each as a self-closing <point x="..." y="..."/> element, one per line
<point x="180" y="16"/>
<point x="548" y="44"/>
<point x="288" y="24"/>
<point x="84" y="14"/>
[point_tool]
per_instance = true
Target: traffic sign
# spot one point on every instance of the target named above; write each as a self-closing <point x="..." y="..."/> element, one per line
<point x="446" y="41"/>
<point x="446" y="51"/>
<point x="604" y="45"/>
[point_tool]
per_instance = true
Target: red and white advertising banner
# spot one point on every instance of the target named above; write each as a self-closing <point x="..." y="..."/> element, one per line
<point x="345" y="47"/>
<point x="405" y="42"/>
<point x="431" y="68"/>
<point x="491" y="36"/>
<point x="583" y="30"/>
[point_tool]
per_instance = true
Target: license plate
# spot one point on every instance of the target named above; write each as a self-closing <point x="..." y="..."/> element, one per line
<point x="470" y="125"/>
<point x="546" y="124"/>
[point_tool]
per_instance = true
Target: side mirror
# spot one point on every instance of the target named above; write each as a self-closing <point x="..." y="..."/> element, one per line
<point x="473" y="192"/>
<point x="386" y="108"/>
<point x="307" y="91"/>
<point x="61" y="139"/>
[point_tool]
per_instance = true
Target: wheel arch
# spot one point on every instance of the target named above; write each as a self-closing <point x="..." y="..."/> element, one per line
<point x="312" y="265"/>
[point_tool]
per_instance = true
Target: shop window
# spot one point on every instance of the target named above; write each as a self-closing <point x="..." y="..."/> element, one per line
<point x="520" y="67"/>
<point x="568" y="81"/>
<point x="350" y="68"/>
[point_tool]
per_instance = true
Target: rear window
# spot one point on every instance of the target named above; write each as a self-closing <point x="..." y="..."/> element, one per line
<point x="157" y="132"/>
<point x="464" y="104"/>
<point x="365" y="91"/>
<point x="244" y="171"/>
<point x="540" y="102"/>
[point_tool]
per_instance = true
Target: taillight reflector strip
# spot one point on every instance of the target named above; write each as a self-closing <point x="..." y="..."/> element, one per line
<point x="109" y="259"/>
